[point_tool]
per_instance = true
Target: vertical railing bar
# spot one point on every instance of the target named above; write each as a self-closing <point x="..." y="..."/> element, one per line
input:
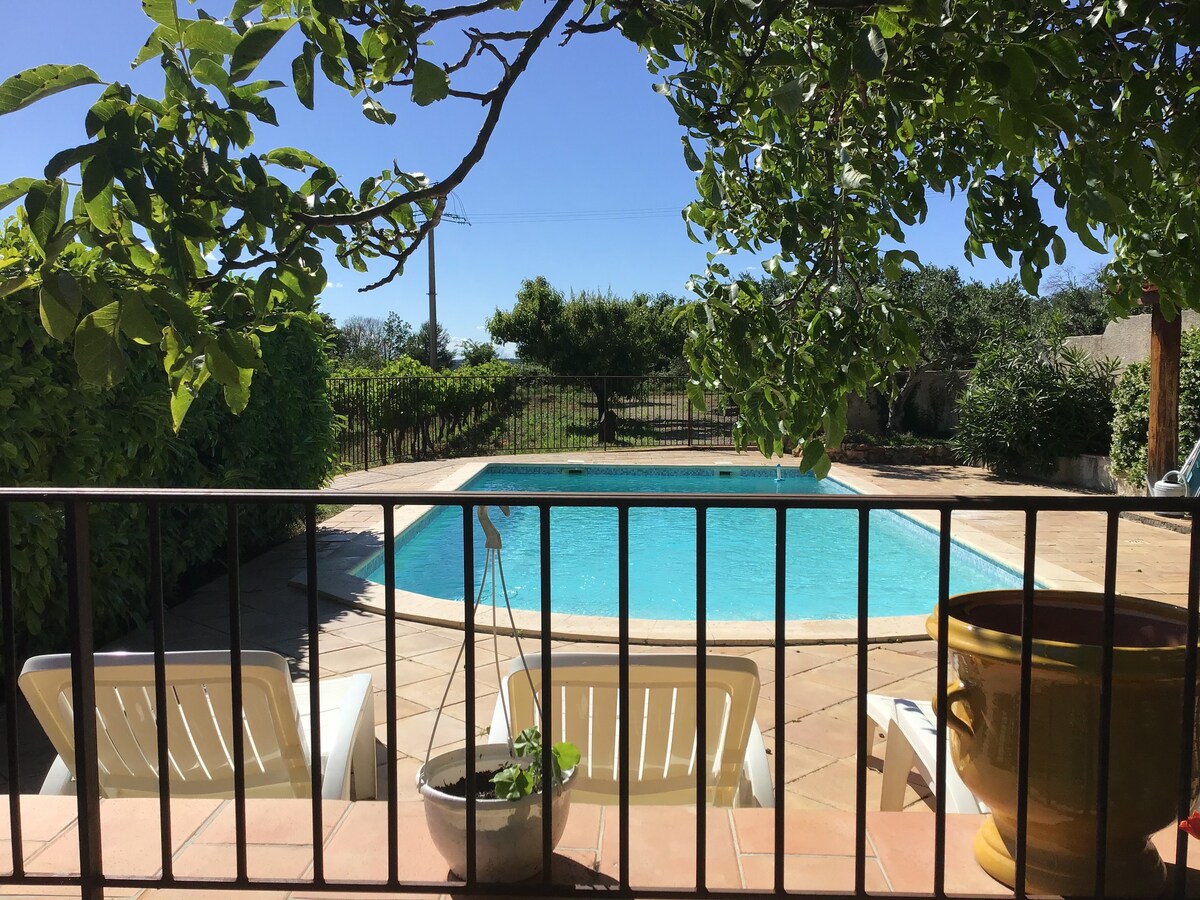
<point x="10" y="691"/>
<point x="314" y="692"/>
<point x="1187" y="744"/>
<point x="780" y="679"/>
<point x="158" y="619"/>
<point x="1021" y="856"/>
<point x="623" y="692"/>
<point x="702" y="767"/>
<point x="860" y="768"/>
<point x="1106" y="697"/>
<point x="389" y="678"/>
<point x="469" y="664"/>
<point x="237" y="729"/>
<point x="943" y="672"/>
<point x="547" y="696"/>
<point x="83" y="698"/>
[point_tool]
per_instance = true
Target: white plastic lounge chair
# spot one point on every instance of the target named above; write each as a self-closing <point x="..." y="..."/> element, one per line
<point x="911" y="728"/>
<point x="662" y="736"/>
<point x="200" y="712"/>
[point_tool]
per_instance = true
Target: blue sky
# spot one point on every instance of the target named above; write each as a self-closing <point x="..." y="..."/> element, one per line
<point x="582" y="182"/>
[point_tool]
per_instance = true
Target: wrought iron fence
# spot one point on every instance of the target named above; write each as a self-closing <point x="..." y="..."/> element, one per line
<point x="73" y="506"/>
<point x="396" y="419"/>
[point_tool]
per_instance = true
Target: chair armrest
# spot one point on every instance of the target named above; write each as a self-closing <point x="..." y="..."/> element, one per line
<point x="353" y="723"/>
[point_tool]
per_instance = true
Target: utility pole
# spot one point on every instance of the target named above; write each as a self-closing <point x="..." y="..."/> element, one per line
<point x="433" y="329"/>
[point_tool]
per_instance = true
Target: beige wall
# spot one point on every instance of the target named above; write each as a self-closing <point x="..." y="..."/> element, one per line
<point x="1125" y="339"/>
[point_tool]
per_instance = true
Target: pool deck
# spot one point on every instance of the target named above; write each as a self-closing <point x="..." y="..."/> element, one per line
<point x="818" y="734"/>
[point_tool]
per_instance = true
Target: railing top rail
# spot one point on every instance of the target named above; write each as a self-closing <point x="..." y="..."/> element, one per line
<point x="1041" y="503"/>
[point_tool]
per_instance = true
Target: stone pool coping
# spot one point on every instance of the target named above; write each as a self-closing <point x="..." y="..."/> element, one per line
<point x="345" y="549"/>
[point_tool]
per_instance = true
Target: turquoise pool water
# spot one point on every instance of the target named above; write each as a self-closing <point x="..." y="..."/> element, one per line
<point x="822" y="549"/>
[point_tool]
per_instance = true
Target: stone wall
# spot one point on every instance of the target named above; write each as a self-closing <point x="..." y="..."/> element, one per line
<point x="1127" y="340"/>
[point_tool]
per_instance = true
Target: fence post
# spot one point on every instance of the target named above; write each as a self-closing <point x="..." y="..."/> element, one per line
<point x="83" y="697"/>
<point x="689" y="399"/>
<point x="366" y="426"/>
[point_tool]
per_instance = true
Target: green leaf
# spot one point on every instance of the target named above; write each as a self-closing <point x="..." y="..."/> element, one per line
<point x="14" y="190"/>
<point x="1023" y="74"/>
<point x="870" y="53"/>
<point x="567" y="754"/>
<point x="242" y="350"/>
<point x="210" y="36"/>
<point x="137" y="323"/>
<point x="430" y="83"/>
<point x="292" y="158"/>
<point x="97" y="192"/>
<point x="164" y="13"/>
<point x="689" y="156"/>
<point x="255" y="44"/>
<point x="98" y="353"/>
<point x="45" y="206"/>
<point x="237" y="396"/>
<point x="16" y="283"/>
<point x="33" y="84"/>
<point x="302" y="74"/>
<point x="374" y="111"/>
<point x="180" y="313"/>
<point x="224" y="369"/>
<point x="65" y="159"/>
<point x="814" y="450"/>
<point x="181" y="402"/>
<point x="154" y="45"/>
<point x="789" y="96"/>
<point x="60" y="300"/>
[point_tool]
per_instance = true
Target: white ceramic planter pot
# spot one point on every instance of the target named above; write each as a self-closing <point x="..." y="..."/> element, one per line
<point x="508" y="832"/>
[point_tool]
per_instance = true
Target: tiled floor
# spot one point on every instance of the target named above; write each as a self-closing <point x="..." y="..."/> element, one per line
<point x="817" y="737"/>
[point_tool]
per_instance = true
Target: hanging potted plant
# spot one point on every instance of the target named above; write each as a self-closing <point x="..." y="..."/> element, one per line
<point x="1149" y="652"/>
<point x="509" y="780"/>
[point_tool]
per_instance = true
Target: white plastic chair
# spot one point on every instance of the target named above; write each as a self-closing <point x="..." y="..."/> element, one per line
<point x="911" y="727"/>
<point x="662" y="734"/>
<point x="275" y="726"/>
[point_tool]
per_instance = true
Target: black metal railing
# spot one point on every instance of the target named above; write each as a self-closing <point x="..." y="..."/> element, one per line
<point x="396" y="419"/>
<point x="74" y="506"/>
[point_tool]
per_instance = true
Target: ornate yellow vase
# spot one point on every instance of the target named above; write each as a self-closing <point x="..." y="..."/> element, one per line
<point x="1064" y="736"/>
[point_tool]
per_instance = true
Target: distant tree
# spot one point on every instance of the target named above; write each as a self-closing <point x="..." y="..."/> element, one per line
<point x="417" y="346"/>
<point x="396" y="335"/>
<point x="1079" y="305"/>
<point x="956" y="320"/>
<point x="476" y="353"/>
<point x="360" y="342"/>
<point x="591" y="335"/>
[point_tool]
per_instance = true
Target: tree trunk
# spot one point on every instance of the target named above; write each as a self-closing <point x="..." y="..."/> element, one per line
<point x="895" y="407"/>
<point x="606" y="417"/>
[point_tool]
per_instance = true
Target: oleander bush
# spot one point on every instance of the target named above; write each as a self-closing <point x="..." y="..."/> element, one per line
<point x="1131" y="405"/>
<point x="1029" y="401"/>
<point x="59" y="430"/>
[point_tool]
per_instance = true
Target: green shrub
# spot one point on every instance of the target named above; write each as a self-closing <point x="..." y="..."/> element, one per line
<point x="61" y="431"/>
<point x="1028" y="402"/>
<point x="1131" y="410"/>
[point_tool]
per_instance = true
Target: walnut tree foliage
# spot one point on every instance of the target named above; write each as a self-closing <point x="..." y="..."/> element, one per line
<point x="817" y="130"/>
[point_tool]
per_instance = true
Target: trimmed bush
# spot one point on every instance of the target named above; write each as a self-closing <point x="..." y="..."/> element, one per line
<point x="1028" y="402"/>
<point x="1131" y="407"/>
<point x="61" y="431"/>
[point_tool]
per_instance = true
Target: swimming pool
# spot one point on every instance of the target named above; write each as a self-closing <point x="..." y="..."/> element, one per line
<point x="822" y="549"/>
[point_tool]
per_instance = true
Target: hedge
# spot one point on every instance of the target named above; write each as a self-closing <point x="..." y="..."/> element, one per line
<point x="61" y="431"/>
<point x="1131" y="420"/>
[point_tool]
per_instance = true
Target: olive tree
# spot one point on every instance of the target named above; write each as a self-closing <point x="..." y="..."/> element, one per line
<point x="816" y="128"/>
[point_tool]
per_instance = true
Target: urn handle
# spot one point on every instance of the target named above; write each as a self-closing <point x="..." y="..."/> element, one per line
<point x="958" y="693"/>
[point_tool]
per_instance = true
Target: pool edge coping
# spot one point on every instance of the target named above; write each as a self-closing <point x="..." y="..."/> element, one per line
<point x="338" y="580"/>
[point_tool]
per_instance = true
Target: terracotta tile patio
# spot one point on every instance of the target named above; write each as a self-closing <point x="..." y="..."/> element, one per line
<point x="817" y="739"/>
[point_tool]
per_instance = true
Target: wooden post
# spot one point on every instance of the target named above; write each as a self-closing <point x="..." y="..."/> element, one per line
<point x="1162" y="453"/>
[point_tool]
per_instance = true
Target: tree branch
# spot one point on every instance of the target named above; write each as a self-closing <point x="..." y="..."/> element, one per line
<point x="402" y="257"/>
<point x="468" y="162"/>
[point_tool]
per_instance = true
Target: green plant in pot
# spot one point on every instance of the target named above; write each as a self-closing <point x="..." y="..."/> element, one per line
<point x="509" y="782"/>
<point x="1141" y="794"/>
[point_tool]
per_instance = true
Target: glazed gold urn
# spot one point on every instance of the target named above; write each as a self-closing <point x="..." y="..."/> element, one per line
<point x="1145" y="747"/>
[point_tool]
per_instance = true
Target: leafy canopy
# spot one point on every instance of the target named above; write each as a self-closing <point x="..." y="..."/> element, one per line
<point x="816" y="128"/>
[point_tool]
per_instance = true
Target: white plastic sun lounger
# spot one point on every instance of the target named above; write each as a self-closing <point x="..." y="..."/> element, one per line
<point x="662" y="733"/>
<point x="911" y="728"/>
<point x="275" y="726"/>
